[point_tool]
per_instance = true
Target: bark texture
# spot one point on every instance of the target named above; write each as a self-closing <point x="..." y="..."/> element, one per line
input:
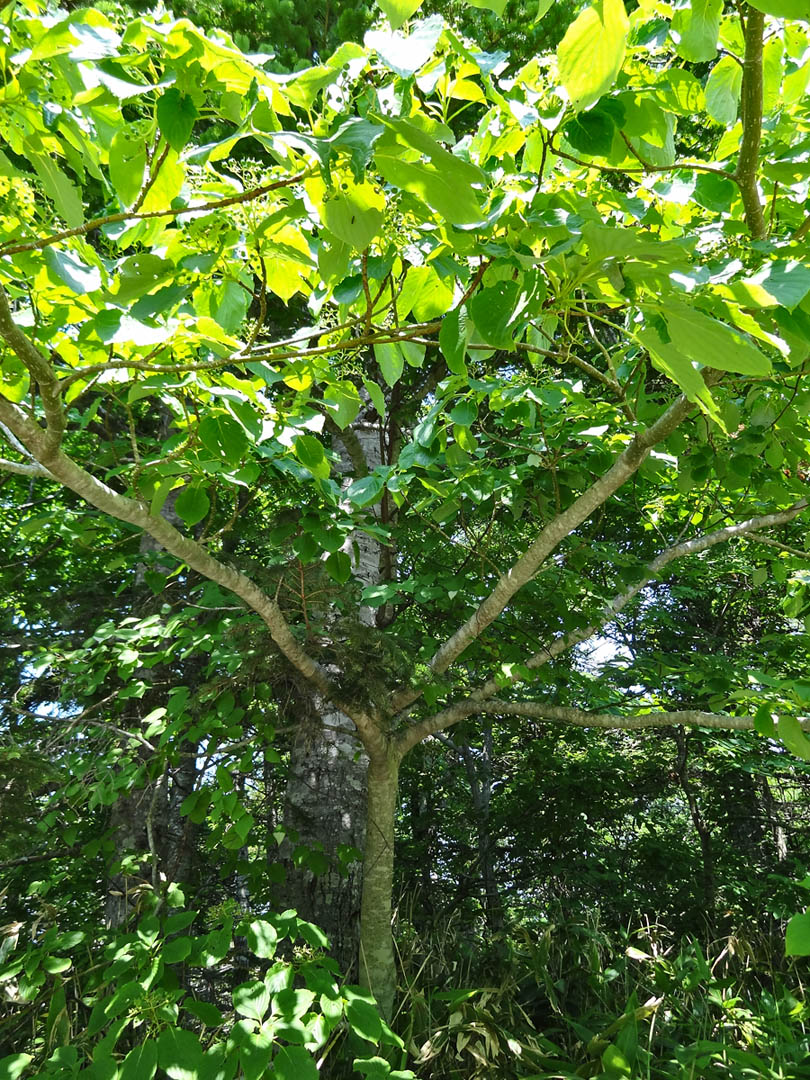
<point x="377" y="967"/>
<point x="327" y="787"/>
<point x="325" y="810"/>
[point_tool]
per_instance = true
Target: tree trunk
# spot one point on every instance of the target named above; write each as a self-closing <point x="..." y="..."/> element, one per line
<point x="325" y="812"/>
<point x="325" y="800"/>
<point x="699" y="822"/>
<point x="377" y="968"/>
<point x="479" y="774"/>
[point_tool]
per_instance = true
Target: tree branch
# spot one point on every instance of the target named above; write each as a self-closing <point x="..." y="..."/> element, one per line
<point x="608" y="721"/>
<point x="647" y="167"/>
<point x="132" y="215"/>
<point x="625" y="465"/>
<point x="187" y="550"/>
<point x="24" y="860"/>
<point x="459" y="710"/>
<point x="33" y="468"/>
<point x="751" y="108"/>
<point x="40" y="370"/>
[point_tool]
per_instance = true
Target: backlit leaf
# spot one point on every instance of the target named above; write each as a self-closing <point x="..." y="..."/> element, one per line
<point x="784" y="9"/>
<point x="354" y="215"/>
<point x="398" y="11"/>
<point x="62" y="190"/>
<point x="723" y="91"/>
<point x="590" y="55"/>
<point x="698" y="26"/>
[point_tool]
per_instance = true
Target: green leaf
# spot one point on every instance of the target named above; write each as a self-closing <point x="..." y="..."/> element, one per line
<point x="339" y="567"/>
<point x="698" y="28"/>
<point x="435" y="187"/>
<point x="723" y="91"/>
<point x="445" y="182"/>
<point x="54" y="964"/>
<point x="786" y="283"/>
<point x="251" y="999"/>
<point x="345" y="400"/>
<point x="615" y="1061"/>
<point x="763" y="722"/>
<point x="783" y="9"/>
<point x="179" y="1053"/>
<point x="464" y="413"/>
<point x="127" y="165"/>
<point x="192" y="504"/>
<point x="311" y="455"/>
<point x="364" y="1019"/>
<point x="376" y="395"/>
<point x="205" y="1012"/>
<point x="77" y="275"/>
<point x="453" y="336"/>
<point x="175" y="116"/>
<point x="398" y="11"/>
<point x="176" y="950"/>
<point x="223" y="437"/>
<point x="216" y="946"/>
<point x="498" y="6"/>
<point x="141" y="1062"/>
<point x="294" y="1063"/>
<point x="492" y="310"/>
<point x="230" y="306"/>
<point x="14" y="1066"/>
<point x="366" y="490"/>
<point x="797" y="936"/>
<point x="375" y="1067"/>
<point x="354" y="216"/>
<point x="261" y="938"/>
<point x="793" y="737"/>
<point x="592" y="132"/>
<point x="391" y="361"/>
<point x="678" y="367"/>
<point x="66" y="198"/>
<point x="712" y="343"/>
<point x="714" y="192"/>
<point x="425" y="294"/>
<point x="591" y="54"/>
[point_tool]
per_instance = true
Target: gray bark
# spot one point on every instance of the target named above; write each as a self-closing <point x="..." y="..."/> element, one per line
<point x="327" y="787"/>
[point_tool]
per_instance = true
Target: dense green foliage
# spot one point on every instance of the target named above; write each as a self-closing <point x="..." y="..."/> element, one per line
<point x="446" y="405"/>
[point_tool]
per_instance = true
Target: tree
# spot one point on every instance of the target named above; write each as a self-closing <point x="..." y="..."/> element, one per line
<point x="524" y="380"/>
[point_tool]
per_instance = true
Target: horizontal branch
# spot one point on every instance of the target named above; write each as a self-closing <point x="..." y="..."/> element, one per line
<point x="41" y="856"/>
<point x="636" y="722"/>
<point x="646" y="167"/>
<point x="32" y="468"/>
<point x="386" y="336"/>
<point x="135" y="215"/>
